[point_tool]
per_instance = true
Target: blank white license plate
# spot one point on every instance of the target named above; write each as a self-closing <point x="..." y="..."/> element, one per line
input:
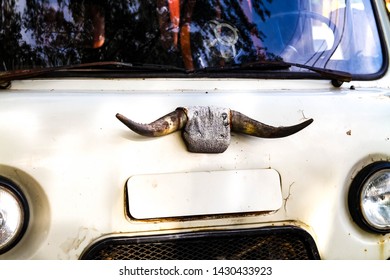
<point x="203" y="193"/>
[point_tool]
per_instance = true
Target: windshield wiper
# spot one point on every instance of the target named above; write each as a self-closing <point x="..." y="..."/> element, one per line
<point x="337" y="77"/>
<point x="8" y="76"/>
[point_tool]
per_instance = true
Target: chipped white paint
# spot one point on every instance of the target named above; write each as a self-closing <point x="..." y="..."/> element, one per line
<point x="73" y="158"/>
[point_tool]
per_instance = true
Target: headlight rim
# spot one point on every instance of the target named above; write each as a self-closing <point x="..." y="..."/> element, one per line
<point x="17" y="192"/>
<point x="355" y="194"/>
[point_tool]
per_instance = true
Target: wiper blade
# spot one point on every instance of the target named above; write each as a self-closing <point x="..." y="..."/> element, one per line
<point x="258" y="65"/>
<point x="8" y="76"/>
<point x="340" y="76"/>
<point x="337" y="77"/>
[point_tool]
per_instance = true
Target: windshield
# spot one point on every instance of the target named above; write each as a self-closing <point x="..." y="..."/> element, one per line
<point x="190" y="34"/>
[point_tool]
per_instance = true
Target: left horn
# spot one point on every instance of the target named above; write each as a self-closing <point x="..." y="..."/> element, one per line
<point x="243" y="124"/>
<point x="165" y="125"/>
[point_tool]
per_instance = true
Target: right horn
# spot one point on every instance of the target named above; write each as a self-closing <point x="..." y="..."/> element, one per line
<point x="167" y="124"/>
<point x="243" y="124"/>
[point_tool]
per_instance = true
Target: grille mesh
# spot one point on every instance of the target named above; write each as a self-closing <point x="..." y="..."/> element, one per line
<point x="265" y="244"/>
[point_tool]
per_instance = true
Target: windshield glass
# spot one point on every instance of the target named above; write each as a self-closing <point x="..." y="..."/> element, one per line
<point x="190" y="34"/>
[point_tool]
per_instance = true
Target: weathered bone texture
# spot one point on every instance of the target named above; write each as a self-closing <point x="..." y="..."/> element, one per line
<point x="169" y="123"/>
<point x="246" y="125"/>
<point x="207" y="129"/>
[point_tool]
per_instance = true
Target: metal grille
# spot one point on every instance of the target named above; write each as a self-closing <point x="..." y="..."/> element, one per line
<point x="266" y="244"/>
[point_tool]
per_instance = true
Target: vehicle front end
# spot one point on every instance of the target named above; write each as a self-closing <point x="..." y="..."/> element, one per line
<point x="194" y="130"/>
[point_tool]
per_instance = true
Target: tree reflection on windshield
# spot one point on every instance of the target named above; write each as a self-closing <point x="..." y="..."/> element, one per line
<point x="57" y="32"/>
<point x="190" y="34"/>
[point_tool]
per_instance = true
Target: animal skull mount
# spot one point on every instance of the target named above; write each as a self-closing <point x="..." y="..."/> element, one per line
<point x="207" y="129"/>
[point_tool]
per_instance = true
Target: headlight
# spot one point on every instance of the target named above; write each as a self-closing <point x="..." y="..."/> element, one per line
<point x="369" y="197"/>
<point x="14" y="215"/>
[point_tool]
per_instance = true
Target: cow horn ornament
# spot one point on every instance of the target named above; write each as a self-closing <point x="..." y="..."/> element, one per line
<point x="207" y="129"/>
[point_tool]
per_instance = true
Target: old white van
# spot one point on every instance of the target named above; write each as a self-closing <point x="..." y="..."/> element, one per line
<point x="188" y="129"/>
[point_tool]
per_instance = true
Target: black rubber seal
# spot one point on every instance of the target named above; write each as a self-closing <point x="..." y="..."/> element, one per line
<point x="355" y="193"/>
<point x="12" y="187"/>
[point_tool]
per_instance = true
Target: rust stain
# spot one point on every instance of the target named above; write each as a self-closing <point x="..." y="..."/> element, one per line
<point x="288" y="196"/>
<point x="73" y="244"/>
